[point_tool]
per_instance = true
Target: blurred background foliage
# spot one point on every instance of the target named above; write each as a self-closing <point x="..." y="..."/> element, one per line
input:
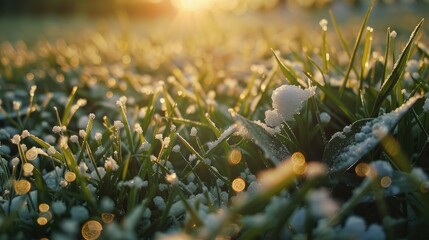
<point x="153" y="8"/>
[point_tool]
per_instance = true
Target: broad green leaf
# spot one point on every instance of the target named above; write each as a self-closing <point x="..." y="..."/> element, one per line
<point x="396" y="73"/>
<point x="272" y="147"/>
<point x="355" y="141"/>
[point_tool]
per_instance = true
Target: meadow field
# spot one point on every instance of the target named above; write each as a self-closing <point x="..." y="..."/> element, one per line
<point x="278" y="122"/>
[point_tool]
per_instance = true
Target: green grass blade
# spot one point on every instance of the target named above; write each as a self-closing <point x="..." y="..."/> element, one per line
<point x="386" y="56"/>
<point x="329" y="93"/>
<point x="68" y="106"/>
<point x="397" y="71"/>
<point x="187" y="122"/>
<point x="85" y="139"/>
<point x="57" y="156"/>
<point x="340" y="35"/>
<point x="355" y="48"/>
<point x="122" y="109"/>
<point x="366" y="55"/>
<point x="285" y="70"/>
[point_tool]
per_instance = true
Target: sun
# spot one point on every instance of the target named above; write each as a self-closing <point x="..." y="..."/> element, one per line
<point x="192" y="5"/>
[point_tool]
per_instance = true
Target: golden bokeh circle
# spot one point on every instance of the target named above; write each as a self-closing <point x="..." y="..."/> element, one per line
<point x="70" y="176"/>
<point x="42" y="221"/>
<point x="91" y="230"/>
<point x="22" y="187"/>
<point x="235" y="157"/>
<point x="238" y="184"/>
<point x="27" y="167"/>
<point x="386" y="181"/>
<point x="362" y="169"/>
<point x="107" y="217"/>
<point x="43" y="207"/>
<point x="298" y="158"/>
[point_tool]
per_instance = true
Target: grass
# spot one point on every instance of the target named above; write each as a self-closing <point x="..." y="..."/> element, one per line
<point x="118" y="137"/>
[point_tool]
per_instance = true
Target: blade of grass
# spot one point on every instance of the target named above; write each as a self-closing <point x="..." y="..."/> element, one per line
<point x="397" y="72"/>
<point x="264" y="90"/>
<point x="72" y="164"/>
<point x="285" y="70"/>
<point x="68" y="106"/>
<point x="57" y="156"/>
<point x="188" y="122"/>
<point x="192" y="149"/>
<point x="85" y="139"/>
<point x="356" y="46"/>
<point x="329" y="93"/>
<point x="122" y="109"/>
<point x="366" y="55"/>
<point x="386" y="56"/>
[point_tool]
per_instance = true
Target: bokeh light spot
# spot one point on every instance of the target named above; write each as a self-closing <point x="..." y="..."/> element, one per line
<point x="299" y="166"/>
<point x="70" y="176"/>
<point x="42" y="221"/>
<point x="386" y="181"/>
<point x="43" y="207"/>
<point x="107" y="217"/>
<point x="22" y="187"/>
<point x="91" y="230"/>
<point x="238" y="184"/>
<point x="362" y="169"/>
<point x="235" y="157"/>
<point x="27" y="167"/>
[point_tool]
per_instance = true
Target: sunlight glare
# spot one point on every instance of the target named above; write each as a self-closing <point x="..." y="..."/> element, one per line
<point x="192" y="5"/>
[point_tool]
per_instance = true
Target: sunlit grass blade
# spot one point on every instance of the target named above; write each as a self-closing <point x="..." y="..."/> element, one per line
<point x="68" y="106"/>
<point x="366" y="56"/>
<point x="212" y="125"/>
<point x="73" y="165"/>
<point x="325" y="54"/>
<point x="31" y="106"/>
<point x="57" y="156"/>
<point x="339" y="33"/>
<point x="87" y="135"/>
<point x="287" y="72"/>
<point x="127" y="127"/>
<point x="150" y="111"/>
<point x="198" y="155"/>
<point x="386" y="56"/>
<point x="356" y="46"/>
<point x="329" y="93"/>
<point x="396" y="73"/>
<point x="187" y="122"/>
<point x="264" y="90"/>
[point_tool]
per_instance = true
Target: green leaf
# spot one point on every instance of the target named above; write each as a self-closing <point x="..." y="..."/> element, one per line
<point x="347" y="147"/>
<point x="286" y="71"/>
<point x="397" y="71"/>
<point x="272" y="147"/>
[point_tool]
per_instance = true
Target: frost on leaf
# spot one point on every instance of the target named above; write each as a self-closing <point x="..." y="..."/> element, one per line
<point x="272" y="147"/>
<point x="346" y="148"/>
<point x="287" y="101"/>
